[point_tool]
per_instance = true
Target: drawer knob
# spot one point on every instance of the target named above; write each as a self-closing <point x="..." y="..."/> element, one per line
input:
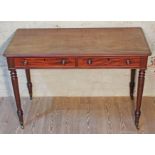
<point x="63" y="61"/>
<point x="89" y="61"/>
<point x="128" y="62"/>
<point x="25" y="62"/>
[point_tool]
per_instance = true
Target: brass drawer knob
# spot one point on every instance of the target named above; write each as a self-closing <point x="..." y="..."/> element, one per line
<point x="63" y="61"/>
<point x="25" y="62"/>
<point x="89" y="61"/>
<point x="128" y="62"/>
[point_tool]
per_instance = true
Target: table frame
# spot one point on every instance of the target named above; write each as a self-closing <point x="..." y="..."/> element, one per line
<point x="12" y="66"/>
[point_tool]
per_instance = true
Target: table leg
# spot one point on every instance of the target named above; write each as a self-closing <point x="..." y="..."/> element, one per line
<point x="29" y="83"/>
<point x="14" y="79"/>
<point x="141" y="80"/>
<point x="132" y="83"/>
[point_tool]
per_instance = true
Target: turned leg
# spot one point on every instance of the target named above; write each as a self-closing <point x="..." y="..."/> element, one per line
<point x="14" y="79"/>
<point x="29" y="83"/>
<point x="132" y="83"/>
<point x="141" y="79"/>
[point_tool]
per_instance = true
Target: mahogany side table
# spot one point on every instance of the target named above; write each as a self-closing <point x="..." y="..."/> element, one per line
<point x="78" y="48"/>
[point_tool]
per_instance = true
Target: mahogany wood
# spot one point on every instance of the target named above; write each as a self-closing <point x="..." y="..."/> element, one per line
<point x="78" y="41"/>
<point x="29" y="83"/>
<point x="14" y="79"/>
<point x="44" y="62"/>
<point x="80" y="48"/>
<point x="141" y="79"/>
<point x="110" y="62"/>
<point x="80" y="62"/>
<point x="132" y="83"/>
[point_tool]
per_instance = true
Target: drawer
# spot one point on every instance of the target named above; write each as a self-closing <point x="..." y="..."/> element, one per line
<point x="54" y="62"/>
<point x="109" y="62"/>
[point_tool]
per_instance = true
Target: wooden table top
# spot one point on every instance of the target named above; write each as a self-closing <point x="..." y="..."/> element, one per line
<point x="78" y="41"/>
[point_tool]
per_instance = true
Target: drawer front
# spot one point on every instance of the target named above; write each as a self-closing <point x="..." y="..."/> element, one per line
<point x="54" y="62"/>
<point x="109" y="62"/>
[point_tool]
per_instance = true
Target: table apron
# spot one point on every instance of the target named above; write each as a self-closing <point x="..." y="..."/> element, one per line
<point x="81" y="62"/>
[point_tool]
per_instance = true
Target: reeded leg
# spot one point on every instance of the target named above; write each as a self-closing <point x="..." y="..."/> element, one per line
<point x="141" y="80"/>
<point x="17" y="96"/>
<point x="29" y="83"/>
<point x="132" y="83"/>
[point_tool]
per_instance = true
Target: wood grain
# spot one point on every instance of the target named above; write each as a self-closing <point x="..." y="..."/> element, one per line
<point x="78" y="41"/>
<point x="55" y="62"/>
<point x="78" y="62"/>
<point x="111" y="62"/>
<point x="85" y="115"/>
